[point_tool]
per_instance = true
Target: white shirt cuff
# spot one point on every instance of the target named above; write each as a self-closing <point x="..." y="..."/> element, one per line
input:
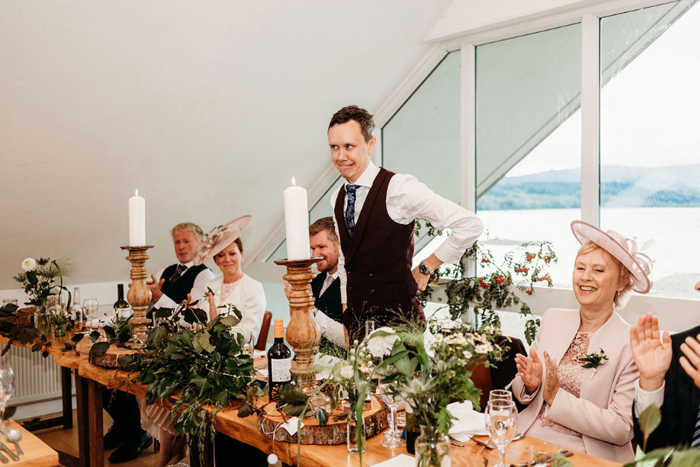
<point x="644" y="399"/>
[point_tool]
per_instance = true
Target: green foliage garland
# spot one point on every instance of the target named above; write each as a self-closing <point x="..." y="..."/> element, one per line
<point x="197" y="371"/>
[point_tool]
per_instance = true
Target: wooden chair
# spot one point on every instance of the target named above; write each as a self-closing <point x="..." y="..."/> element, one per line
<point x="264" y="331"/>
<point x="500" y="374"/>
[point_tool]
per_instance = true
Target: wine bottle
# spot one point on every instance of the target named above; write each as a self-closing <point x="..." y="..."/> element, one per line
<point x="121" y="306"/>
<point x="279" y="362"/>
<point x="76" y="313"/>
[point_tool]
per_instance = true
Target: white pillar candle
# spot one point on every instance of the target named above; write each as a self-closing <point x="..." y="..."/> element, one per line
<point x="137" y="220"/>
<point x="296" y="221"/>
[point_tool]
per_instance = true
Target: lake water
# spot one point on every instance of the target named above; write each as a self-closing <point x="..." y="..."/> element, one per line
<point x="675" y="231"/>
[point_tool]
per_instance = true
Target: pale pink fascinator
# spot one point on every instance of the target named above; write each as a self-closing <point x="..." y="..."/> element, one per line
<point x="624" y="249"/>
<point x="220" y="238"/>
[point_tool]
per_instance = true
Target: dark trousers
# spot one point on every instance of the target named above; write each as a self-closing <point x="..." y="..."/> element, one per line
<point x="124" y="410"/>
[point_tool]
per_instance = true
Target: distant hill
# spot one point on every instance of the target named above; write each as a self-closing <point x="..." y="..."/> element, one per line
<point x="677" y="185"/>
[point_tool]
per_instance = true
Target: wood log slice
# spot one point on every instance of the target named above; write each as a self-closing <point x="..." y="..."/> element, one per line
<point x="334" y="432"/>
<point x="109" y="359"/>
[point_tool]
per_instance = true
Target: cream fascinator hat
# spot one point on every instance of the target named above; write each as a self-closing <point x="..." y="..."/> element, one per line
<point x="624" y="249"/>
<point x="220" y="238"/>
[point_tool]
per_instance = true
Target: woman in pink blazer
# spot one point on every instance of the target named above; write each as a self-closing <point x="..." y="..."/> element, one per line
<point x="586" y="409"/>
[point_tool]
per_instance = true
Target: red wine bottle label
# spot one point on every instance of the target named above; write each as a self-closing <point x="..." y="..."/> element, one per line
<point x="280" y="370"/>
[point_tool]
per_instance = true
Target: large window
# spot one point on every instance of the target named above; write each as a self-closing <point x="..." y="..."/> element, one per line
<point x="650" y="144"/>
<point x="528" y="142"/>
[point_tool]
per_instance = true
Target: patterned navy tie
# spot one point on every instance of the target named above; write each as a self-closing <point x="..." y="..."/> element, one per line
<point x="350" y="210"/>
<point x="696" y="434"/>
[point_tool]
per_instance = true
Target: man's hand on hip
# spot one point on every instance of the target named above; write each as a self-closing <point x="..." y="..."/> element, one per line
<point x="432" y="262"/>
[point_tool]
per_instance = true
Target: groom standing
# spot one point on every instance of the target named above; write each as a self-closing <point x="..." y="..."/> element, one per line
<point x="375" y="212"/>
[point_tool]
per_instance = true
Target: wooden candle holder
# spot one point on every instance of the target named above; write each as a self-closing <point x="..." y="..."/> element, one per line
<point x="302" y="332"/>
<point x="138" y="296"/>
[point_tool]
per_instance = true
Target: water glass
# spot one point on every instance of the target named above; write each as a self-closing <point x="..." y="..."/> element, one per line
<point x="500" y="394"/>
<point x="90" y="307"/>
<point x="502" y="424"/>
<point x="392" y="400"/>
<point x="541" y="451"/>
<point x="7" y="387"/>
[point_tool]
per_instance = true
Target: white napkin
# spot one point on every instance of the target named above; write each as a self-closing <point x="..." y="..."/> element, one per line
<point x="402" y="460"/>
<point x="469" y="421"/>
<point x="97" y="322"/>
<point x="259" y="353"/>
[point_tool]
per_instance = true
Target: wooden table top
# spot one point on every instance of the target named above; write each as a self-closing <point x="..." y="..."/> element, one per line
<point x="36" y="452"/>
<point x="246" y="430"/>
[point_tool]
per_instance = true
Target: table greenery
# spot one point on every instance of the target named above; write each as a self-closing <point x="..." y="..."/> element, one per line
<point x="672" y="456"/>
<point x="198" y="370"/>
<point x="38" y="279"/>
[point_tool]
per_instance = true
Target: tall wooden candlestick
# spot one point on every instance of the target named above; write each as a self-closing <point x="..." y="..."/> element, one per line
<point x="302" y="332"/>
<point x="138" y="296"/>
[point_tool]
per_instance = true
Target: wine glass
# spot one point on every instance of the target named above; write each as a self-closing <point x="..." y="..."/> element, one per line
<point x="502" y="423"/>
<point x="249" y="346"/>
<point x="7" y="387"/>
<point x="90" y="307"/>
<point x="392" y="400"/>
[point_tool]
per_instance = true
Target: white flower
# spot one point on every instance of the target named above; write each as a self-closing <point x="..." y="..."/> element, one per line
<point x="346" y="372"/>
<point x="489" y="329"/>
<point x="380" y="346"/>
<point x="483" y="348"/>
<point x="29" y="264"/>
<point x="467" y="355"/>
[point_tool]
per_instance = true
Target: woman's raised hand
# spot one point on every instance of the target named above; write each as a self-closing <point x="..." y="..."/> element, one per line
<point x="652" y="355"/>
<point x="530" y="370"/>
<point x="212" y="306"/>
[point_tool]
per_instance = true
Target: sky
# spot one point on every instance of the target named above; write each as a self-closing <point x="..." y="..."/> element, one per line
<point x="649" y="111"/>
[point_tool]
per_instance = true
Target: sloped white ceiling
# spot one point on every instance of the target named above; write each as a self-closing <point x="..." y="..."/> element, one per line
<point x="208" y="108"/>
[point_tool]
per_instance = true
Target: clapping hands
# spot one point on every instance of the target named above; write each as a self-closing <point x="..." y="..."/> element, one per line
<point x="652" y="355"/>
<point x="530" y="370"/>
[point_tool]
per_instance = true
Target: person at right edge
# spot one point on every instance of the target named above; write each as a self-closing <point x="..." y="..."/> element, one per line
<point x="669" y="377"/>
<point x="375" y="212"/>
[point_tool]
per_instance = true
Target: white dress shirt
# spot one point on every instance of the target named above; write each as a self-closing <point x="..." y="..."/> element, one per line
<point x="406" y="200"/>
<point x="328" y="281"/>
<point x="199" y="287"/>
<point x="330" y="328"/>
<point x="643" y="399"/>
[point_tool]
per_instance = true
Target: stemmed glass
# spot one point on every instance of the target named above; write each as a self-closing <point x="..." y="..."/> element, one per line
<point x="7" y="387"/>
<point x="392" y="400"/>
<point x="502" y="423"/>
<point x="90" y="306"/>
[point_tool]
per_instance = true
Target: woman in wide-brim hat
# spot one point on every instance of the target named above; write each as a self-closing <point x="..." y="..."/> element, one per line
<point x="224" y="245"/>
<point x="578" y="382"/>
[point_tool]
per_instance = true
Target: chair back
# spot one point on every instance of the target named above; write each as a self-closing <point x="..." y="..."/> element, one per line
<point x="500" y="374"/>
<point x="264" y="331"/>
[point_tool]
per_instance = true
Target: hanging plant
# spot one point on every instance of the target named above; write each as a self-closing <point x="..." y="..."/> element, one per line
<point x="492" y="287"/>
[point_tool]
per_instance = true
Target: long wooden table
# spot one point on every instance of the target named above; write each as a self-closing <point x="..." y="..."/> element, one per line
<point x="90" y="379"/>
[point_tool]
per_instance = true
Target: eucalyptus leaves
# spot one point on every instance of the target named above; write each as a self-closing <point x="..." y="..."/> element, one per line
<point x="197" y="371"/>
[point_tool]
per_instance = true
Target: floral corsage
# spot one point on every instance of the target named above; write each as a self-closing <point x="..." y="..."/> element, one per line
<point x="594" y="360"/>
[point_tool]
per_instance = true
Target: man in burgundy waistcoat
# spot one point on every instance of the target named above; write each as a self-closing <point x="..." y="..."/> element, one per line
<point x="374" y="213"/>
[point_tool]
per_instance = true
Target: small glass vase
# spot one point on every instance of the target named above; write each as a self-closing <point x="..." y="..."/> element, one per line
<point x="432" y="448"/>
<point x="42" y="321"/>
<point x="59" y="334"/>
<point x="356" y="442"/>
